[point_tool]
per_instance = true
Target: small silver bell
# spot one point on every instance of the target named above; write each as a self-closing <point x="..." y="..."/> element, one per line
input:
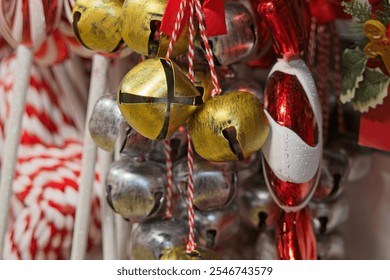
<point x="136" y="190"/>
<point x="217" y="226"/>
<point x="153" y="239"/>
<point x="105" y="123"/>
<point x="240" y="39"/>
<point x="265" y="248"/>
<point x="136" y="145"/>
<point x="328" y="216"/>
<point x="256" y="206"/>
<point x="334" y="172"/>
<point x="215" y="184"/>
<point x="331" y="247"/>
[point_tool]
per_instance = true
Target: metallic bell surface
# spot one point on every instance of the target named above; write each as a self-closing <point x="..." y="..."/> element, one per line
<point x="328" y="216"/>
<point x="334" y="172"/>
<point x="239" y="41"/>
<point x="256" y="206"/>
<point x="141" y="29"/>
<point x="215" y="184"/>
<point x="265" y="247"/>
<point x="331" y="246"/>
<point x="156" y="98"/>
<point x="153" y="239"/>
<point x="179" y="253"/>
<point x="229" y="127"/>
<point x="136" y="190"/>
<point x="295" y="239"/>
<point x="217" y="226"/>
<point x="244" y="84"/>
<point x="136" y="145"/>
<point x="97" y="24"/>
<point x="105" y="123"/>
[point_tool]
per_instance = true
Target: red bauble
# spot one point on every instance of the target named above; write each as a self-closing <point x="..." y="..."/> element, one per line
<point x="295" y="237"/>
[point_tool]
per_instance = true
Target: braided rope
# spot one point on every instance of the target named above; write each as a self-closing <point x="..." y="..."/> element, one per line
<point x="178" y="20"/>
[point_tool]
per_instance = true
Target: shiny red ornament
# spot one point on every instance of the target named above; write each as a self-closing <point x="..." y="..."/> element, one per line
<point x="286" y="23"/>
<point x="295" y="239"/>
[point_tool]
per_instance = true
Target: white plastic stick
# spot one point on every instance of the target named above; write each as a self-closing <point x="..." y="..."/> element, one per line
<point x="74" y="67"/>
<point x="108" y="216"/>
<point x="12" y="137"/>
<point x="96" y="89"/>
<point x="72" y="98"/>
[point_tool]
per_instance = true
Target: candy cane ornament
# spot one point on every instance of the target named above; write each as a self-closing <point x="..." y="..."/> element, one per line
<point x="24" y="25"/>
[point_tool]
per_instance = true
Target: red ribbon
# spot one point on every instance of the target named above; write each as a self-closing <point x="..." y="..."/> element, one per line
<point x="214" y="13"/>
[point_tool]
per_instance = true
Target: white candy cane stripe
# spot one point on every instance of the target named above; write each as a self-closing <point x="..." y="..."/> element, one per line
<point x="68" y="8"/>
<point x="53" y="51"/>
<point x="28" y="22"/>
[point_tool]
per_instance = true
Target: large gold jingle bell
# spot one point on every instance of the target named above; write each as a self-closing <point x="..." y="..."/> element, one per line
<point x="229" y="127"/>
<point x="179" y="253"/>
<point x="141" y="21"/>
<point x="97" y="24"/>
<point x="156" y="98"/>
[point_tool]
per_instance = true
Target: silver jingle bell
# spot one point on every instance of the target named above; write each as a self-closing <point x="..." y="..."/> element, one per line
<point x="217" y="226"/>
<point x="328" y="216"/>
<point x="153" y="239"/>
<point x="331" y="247"/>
<point x="215" y="184"/>
<point x="238" y="43"/>
<point x="334" y="172"/>
<point x="136" y="190"/>
<point x="106" y="122"/>
<point x="265" y="248"/>
<point x="244" y="84"/>
<point x="136" y="145"/>
<point x="256" y="206"/>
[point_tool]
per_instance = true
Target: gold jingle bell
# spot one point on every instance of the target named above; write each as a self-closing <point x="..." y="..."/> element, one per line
<point x="141" y="29"/>
<point x="97" y="24"/>
<point x="156" y="98"/>
<point x="179" y="253"/>
<point x="202" y="79"/>
<point x="231" y="126"/>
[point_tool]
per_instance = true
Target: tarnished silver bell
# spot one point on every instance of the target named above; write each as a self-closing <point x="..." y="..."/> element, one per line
<point x="334" y="172"/>
<point x="239" y="41"/>
<point x="153" y="239"/>
<point x="256" y="206"/>
<point x="331" y="247"/>
<point x="247" y="167"/>
<point x="136" y="190"/>
<point x="328" y="216"/>
<point x="265" y="248"/>
<point x="106" y="122"/>
<point x="217" y="226"/>
<point x="215" y="184"/>
<point x="136" y="145"/>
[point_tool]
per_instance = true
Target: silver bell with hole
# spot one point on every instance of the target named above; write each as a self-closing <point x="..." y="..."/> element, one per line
<point x="153" y="239"/>
<point x="256" y="206"/>
<point x="215" y="184"/>
<point x="328" y="216"/>
<point x="136" y="190"/>
<point x="106" y="122"/>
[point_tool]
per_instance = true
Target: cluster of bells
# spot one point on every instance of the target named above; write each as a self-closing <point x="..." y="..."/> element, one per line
<point x="156" y="101"/>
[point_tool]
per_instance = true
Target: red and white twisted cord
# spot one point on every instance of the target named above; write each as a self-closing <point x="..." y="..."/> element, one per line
<point x="209" y="54"/>
<point x="178" y="20"/>
<point x="168" y="164"/>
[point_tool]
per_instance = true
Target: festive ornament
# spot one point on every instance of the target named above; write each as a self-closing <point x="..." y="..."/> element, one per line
<point x="229" y="127"/>
<point x="53" y="51"/>
<point x="154" y="239"/>
<point x="292" y="152"/>
<point x="105" y="123"/>
<point x="180" y="253"/>
<point x="327" y="216"/>
<point x="215" y="184"/>
<point x="97" y="24"/>
<point x="378" y="45"/>
<point x="295" y="238"/>
<point x="136" y="190"/>
<point x="141" y="28"/>
<point x="238" y="42"/>
<point x="156" y="98"/>
<point x="256" y="206"/>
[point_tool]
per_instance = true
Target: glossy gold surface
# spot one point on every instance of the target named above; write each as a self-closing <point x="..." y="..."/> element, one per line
<point x="239" y="110"/>
<point x="148" y="79"/>
<point x="97" y="24"/>
<point x="179" y="253"/>
<point x="137" y="16"/>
